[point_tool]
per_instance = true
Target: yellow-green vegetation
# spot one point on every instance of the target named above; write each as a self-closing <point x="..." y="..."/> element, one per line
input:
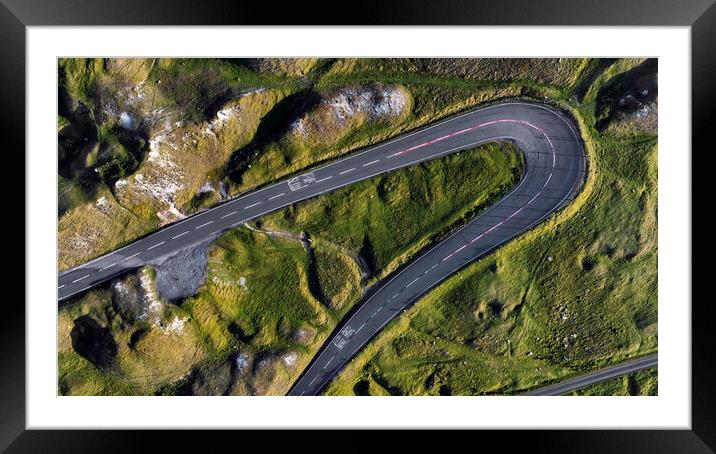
<point x="559" y="72"/>
<point x="106" y="336"/>
<point x="101" y="224"/>
<point x="282" y="66"/>
<point x="571" y="296"/>
<point x="642" y="383"/>
<point x="270" y="299"/>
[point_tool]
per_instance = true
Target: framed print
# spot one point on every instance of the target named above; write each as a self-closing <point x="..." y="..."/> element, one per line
<point x="456" y="217"/>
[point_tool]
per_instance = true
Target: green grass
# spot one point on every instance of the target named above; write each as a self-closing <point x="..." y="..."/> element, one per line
<point x="62" y="122"/>
<point x="275" y="299"/>
<point x="80" y="76"/>
<point x="385" y="219"/>
<point x="338" y="276"/>
<point x="642" y="383"/>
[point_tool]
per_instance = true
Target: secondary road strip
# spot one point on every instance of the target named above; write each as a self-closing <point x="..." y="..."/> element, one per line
<point x="618" y="370"/>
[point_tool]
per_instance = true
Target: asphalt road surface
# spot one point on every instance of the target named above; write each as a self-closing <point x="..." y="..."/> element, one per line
<point x="597" y="376"/>
<point x="554" y="172"/>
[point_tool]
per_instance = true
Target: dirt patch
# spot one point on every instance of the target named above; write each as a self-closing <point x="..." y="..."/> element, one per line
<point x="181" y="275"/>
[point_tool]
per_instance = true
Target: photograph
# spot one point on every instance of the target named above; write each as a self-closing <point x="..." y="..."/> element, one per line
<point x="343" y="226"/>
<point x="462" y="217"/>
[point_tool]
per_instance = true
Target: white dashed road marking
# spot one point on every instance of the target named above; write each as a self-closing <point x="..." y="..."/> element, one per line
<point x="412" y="282"/>
<point x="83" y="277"/>
<point x="181" y="234"/>
<point x="131" y="256"/>
<point x="108" y="266"/>
<point x="227" y="215"/>
<point x="346" y="171"/>
<point x="204" y="224"/>
<point x="370" y="163"/>
<point x="277" y="196"/>
<point x="329" y="362"/>
<point x="324" y="179"/>
<point x="252" y="205"/>
<point x="158" y="244"/>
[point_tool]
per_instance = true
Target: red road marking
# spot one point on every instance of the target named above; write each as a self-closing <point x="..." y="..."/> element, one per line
<point x="507" y="120"/>
<point x="481" y="125"/>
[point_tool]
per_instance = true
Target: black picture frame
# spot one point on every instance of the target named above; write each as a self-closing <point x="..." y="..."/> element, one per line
<point x="700" y="15"/>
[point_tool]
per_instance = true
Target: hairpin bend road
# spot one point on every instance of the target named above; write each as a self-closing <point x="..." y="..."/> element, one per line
<point x="554" y="172"/>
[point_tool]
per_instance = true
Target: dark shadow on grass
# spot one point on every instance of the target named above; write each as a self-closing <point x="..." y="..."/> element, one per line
<point x="93" y="342"/>
<point x="627" y="92"/>
<point x="272" y="126"/>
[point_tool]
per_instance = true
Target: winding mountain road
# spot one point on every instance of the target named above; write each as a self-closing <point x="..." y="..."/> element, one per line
<point x="554" y="172"/>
